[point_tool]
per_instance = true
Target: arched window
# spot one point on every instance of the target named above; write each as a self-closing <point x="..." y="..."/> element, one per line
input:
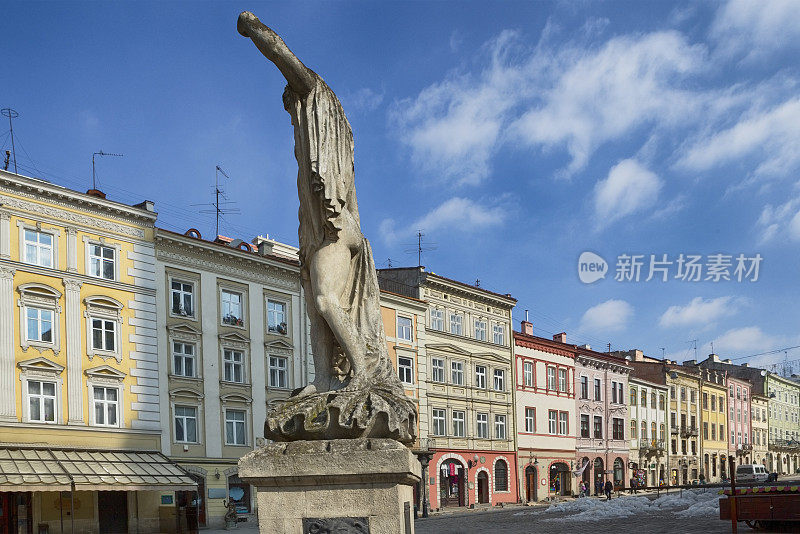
<point x="661" y="402"/>
<point x="652" y="430"/>
<point x="633" y="396"/>
<point x="633" y="429"/>
<point x="500" y="475"/>
<point x="644" y="398"/>
<point x="644" y="429"/>
<point x="662" y="434"/>
<point x="653" y="400"/>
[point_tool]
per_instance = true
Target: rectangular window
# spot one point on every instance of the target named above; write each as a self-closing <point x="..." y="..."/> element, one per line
<point x="38" y="248"/>
<point x="584" y="425"/>
<point x="563" y="423"/>
<point x="182" y="298"/>
<point x="552" y="421"/>
<point x="235" y="433"/>
<point x="405" y="368"/>
<point x="618" y="428"/>
<point x="652" y="398"/>
<point x="404" y="327"/>
<point x="673" y="422"/>
<point x="40" y="325"/>
<point x="598" y="426"/>
<point x="643" y="399"/>
<point x="106" y="406"/>
<point x="597" y="389"/>
<point x="278" y="372"/>
<point x="457" y="373"/>
<point x="437" y="320"/>
<point x="480" y="330"/>
<point x="705" y="430"/>
<point x="233" y="361"/>
<point x="498" y="334"/>
<point x="614" y="392"/>
<point x="499" y="427"/>
<point x="41" y="401"/>
<point x="584" y="387"/>
<point x="456" y="326"/>
<point x="562" y="380"/>
<point x="458" y="423"/>
<point x="721" y="404"/>
<point x="101" y="262"/>
<point x="185" y="424"/>
<point x="437" y="370"/>
<point x="527" y="373"/>
<point x="276" y="317"/>
<point x="232" y="308"/>
<point x="721" y="431"/>
<point x="683" y="394"/>
<point x="439" y="422"/>
<point x="499" y="380"/>
<point x="104" y="334"/>
<point x="183" y="359"/>
<point x="692" y="396"/>
<point x="551" y="378"/>
<point x="713" y="430"/>
<point x="480" y="377"/>
<point x="705" y="401"/>
<point x="530" y="420"/>
<point x="713" y="403"/>
<point x="482" y="425"/>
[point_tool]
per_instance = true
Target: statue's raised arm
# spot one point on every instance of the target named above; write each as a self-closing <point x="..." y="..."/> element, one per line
<point x="299" y="77"/>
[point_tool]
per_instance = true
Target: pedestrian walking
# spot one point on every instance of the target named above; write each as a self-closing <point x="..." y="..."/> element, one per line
<point x="583" y="490"/>
<point x="609" y="488"/>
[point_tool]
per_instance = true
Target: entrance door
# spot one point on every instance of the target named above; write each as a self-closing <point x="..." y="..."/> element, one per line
<point x="451" y="487"/>
<point x="531" y="484"/>
<point x="483" y="488"/>
<point x="112" y="511"/>
<point x="5" y="513"/>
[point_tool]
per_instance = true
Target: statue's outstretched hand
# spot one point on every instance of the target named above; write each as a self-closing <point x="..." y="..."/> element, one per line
<point x="245" y="23"/>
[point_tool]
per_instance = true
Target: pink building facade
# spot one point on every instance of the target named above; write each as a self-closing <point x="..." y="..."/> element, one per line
<point x="601" y="386"/>
<point x="740" y="441"/>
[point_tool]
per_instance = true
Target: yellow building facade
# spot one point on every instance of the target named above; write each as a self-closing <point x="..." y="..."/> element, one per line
<point x="78" y="361"/>
<point x="713" y="414"/>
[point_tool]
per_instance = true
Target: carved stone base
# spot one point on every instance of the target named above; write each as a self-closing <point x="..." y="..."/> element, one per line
<point x="375" y="411"/>
<point x="344" y="486"/>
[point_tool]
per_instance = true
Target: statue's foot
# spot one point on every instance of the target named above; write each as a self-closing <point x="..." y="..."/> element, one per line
<point x="245" y="23"/>
<point x="308" y="390"/>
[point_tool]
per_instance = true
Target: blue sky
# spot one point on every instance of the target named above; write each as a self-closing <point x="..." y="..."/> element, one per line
<point x="515" y="135"/>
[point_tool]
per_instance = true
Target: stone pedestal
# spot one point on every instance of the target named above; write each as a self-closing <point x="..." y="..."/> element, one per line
<point x="343" y="486"/>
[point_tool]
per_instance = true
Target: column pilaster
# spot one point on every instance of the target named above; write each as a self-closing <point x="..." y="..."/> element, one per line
<point x="72" y="250"/>
<point x="8" y="405"/>
<point x="74" y="356"/>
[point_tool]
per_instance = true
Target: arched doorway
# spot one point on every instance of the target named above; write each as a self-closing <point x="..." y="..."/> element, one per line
<point x="619" y="472"/>
<point x="483" y="488"/>
<point x="559" y="479"/>
<point x="531" y="484"/>
<point x="599" y="476"/>
<point x="587" y="473"/>
<point x="662" y="475"/>
<point x="451" y="483"/>
<point x="723" y="469"/>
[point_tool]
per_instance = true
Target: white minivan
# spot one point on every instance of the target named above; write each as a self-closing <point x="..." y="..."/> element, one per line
<point x="751" y="473"/>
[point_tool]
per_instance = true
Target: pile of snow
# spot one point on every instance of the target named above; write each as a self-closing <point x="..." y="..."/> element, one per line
<point x="705" y="505"/>
<point x="589" y="509"/>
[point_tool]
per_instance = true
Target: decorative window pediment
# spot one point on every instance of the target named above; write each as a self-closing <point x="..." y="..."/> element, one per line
<point x="105" y="373"/>
<point x="185" y="392"/>
<point x="40" y="367"/>
<point x="39" y="322"/>
<point x="234" y="340"/>
<point x="447" y="347"/>
<point x="184" y="332"/>
<point x="104" y="305"/>
<point x="279" y="347"/>
<point x="103" y="327"/>
<point x="235" y="398"/>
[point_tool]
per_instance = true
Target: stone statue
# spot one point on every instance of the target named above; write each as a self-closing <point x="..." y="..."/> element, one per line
<point x="355" y="392"/>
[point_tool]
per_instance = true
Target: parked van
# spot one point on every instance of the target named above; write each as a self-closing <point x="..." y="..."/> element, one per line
<point x="751" y="473"/>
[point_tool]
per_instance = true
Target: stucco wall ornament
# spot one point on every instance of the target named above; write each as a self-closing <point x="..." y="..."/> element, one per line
<point x="356" y="392"/>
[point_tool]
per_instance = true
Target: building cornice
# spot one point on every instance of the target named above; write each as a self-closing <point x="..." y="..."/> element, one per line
<point x="435" y="281"/>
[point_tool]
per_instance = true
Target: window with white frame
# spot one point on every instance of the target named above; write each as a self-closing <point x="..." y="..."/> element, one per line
<point x="276" y="317"/>
<point x="182" y="294"/>
<point x="482" y="425"/>
<point x="38" y="248"/>
<point x="562" y="380"/>
<point x="597" y="390"/>
<point x="232" y="308"/>
<point x="527" y="373"/>
<point x="405" y="369"/>
<point x="404" y="328"/>
<point x="439" y="422"/>
<point x="102" y="261"/>
<point x="456" y="325"/>
<point x="437" y="320"/>
<point x="39" y="316"/>
<point x="104" y="335"/>
<point x="499" y="427"/>
<point x="39" y="325"/>
<point x="498" y="334"/>
<point x="584" y="387"/>
<point x="480" y="330"/>
<point x="552" y="421"/>
<point x="235" y="427"/>
<point x="105" y="401"/>
<point x="499" y="380"/>
<point x="186" y="424"/>
<point x="41" y="401"/>
<point x="530" y="420"/>
<point x="233" y="363"/>
<point x="278" y="372"/>
<point x="458" y="423"/>
<point x="437" y="370"/>
<point x="480" y="376"/>
<point x="457" y="373"/>
<point x="183" y="359"/>
<point x="563" y="424"/>
<point x="551" y="378"/>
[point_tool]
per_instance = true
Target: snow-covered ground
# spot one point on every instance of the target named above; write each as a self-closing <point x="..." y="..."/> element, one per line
<point x="691" y="503"/>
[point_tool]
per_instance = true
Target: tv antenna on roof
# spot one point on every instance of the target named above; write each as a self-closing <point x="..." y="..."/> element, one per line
<point x="419" y="247"/>
<point x="11" y="114"/>
<point x="94" y="174"/>
<point x="219" y="210"/>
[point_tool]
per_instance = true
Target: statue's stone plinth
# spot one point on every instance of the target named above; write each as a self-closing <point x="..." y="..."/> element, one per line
<point x="344" y="485"/>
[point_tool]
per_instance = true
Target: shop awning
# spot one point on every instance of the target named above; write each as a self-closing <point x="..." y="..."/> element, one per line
<point x="36" y="468"/>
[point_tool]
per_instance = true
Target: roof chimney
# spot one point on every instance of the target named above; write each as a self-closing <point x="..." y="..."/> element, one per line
<point x="729" y="361"/>
<point x="714" y="358"/>
<point x="96" y="193"/>
<point x="146" y="205"/>
<point x="526" y="327"/>
<point x="690" y="363"/>
<point x="561" y="337"/>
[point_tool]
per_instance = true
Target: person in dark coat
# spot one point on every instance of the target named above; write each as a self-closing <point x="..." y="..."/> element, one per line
<point x="609" y="488"/>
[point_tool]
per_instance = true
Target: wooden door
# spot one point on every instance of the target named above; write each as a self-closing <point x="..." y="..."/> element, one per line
<point x="530" y="484"/>
<point x="112" y="510"/>
<point x="483" y="488"/>
<point x="5" y="513"/>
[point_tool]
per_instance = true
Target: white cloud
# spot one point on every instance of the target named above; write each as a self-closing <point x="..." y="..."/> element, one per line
<point x="609" y="316"/>
<point x="700" y="313"/>
<point x="755" y="29"/>
<point x="457" y="214"/>
<point x="738" y="342"/>
<point x="364" y="100"/>
<point x="772" y="136"/>
<point x="629" y="188"/>
<point x="783" y="220"/>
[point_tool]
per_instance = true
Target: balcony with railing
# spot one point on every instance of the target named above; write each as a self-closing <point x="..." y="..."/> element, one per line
<point x="743" y="449"/>
<point x="688" y="431"/>
<point x="651" y="447"/>
<point x="784" y="445"/>
<point x="673" y="430"/>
